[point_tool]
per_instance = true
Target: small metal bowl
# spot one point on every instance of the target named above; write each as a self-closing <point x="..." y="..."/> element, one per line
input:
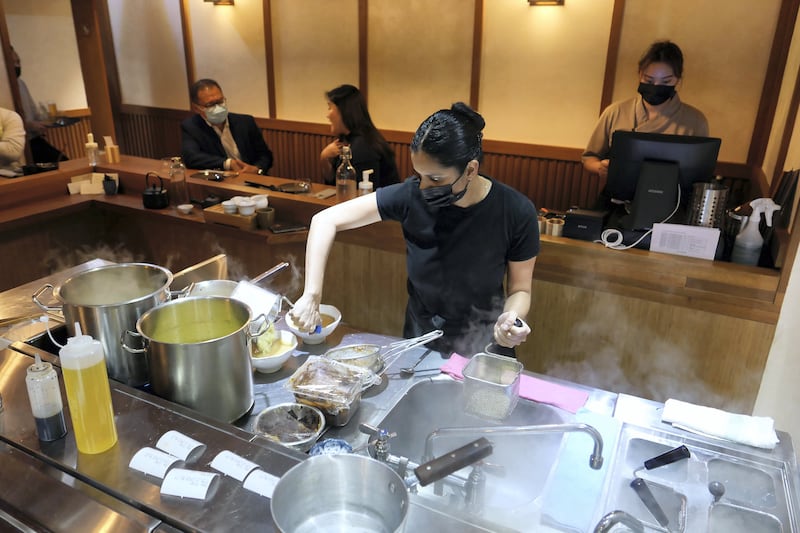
<point x="294" y="425"/>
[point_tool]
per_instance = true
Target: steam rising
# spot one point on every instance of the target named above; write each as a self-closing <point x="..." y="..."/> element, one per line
<point x="656" y="367"/>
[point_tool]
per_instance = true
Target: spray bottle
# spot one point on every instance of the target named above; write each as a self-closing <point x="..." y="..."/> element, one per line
<point x="747" y="247"/>
<point x="88" y="393"/>
<point x="365" y="186"/>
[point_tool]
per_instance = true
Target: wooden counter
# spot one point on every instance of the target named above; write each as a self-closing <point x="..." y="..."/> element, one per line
<point x="639" y="322"/>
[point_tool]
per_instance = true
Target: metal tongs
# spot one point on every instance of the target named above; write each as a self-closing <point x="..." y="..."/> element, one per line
<point x="398" y="348"/>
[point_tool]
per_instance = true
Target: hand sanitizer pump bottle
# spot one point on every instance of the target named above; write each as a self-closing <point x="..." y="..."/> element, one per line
<point x="88" y="394"/>
<point x="365" y="186"/>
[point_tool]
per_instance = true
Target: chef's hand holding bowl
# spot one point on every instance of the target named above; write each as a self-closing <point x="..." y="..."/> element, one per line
<point x="312" y="321"/>
<point x="510" y="330"/>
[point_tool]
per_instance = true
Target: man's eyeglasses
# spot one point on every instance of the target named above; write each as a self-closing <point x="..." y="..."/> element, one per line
<point x="209" y="105"/>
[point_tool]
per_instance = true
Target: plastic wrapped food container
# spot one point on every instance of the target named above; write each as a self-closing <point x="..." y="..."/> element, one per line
<point x="491" y="385"/>
<point x="331" y="387"/>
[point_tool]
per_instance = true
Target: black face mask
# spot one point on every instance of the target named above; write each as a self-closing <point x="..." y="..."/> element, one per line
<point x="18" y="71"/>
<point x="442" y="196"/>
<point x="656" y="94"/>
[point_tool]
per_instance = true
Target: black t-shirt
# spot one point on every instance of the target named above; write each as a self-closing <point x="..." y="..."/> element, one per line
<point x="457" y="258"/>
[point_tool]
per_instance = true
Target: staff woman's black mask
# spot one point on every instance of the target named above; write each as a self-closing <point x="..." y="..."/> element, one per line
<point x="656" y="94"/>
<point x="442" y="196"/>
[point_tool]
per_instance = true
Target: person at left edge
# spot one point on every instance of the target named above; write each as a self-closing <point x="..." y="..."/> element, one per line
<point x="213" y="138"/>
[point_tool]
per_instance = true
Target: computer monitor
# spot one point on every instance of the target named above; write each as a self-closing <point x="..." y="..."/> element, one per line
<point x="646" y="169"/>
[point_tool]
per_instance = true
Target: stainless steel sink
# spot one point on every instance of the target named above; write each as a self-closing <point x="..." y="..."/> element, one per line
<point x="760" y="486"/>
<point x="511" y="482"/>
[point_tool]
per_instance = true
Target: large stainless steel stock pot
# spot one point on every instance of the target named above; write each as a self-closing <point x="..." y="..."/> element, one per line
<point x="108" y="300"/>
<point x="198" y="351"/>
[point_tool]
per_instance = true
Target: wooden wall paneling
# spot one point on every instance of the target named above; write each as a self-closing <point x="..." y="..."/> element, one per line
<point x="72" y="139"/>
<point x="658" y="352"/>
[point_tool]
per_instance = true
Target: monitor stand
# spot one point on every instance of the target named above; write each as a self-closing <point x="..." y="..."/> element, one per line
<point x="656" y="195"/>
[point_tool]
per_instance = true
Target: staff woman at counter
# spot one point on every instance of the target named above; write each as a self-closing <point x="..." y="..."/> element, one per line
<point x="657" y="108"/>
<point x="465" y="234"/>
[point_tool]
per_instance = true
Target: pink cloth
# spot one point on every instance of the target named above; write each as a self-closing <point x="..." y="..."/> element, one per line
<point x="530" y="388"/>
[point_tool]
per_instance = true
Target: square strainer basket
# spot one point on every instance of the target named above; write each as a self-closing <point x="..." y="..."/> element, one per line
<point x="491" y="385"/>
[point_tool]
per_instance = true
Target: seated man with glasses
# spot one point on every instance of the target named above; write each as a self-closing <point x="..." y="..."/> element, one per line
<point x="212" y="138"/>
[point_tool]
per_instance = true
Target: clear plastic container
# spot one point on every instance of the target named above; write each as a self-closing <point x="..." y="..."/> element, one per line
<point x="331" y="387"/>
<point x="491" y="385"/>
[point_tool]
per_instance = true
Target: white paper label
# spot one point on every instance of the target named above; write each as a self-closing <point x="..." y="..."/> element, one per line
<point x="188" y="483"/>
<point x="678" y="239"/>
<point x="233" y="465"/>
<point x="261" y="482"/>
<point x="152" y="461"/>
<point x="179" y="445"/>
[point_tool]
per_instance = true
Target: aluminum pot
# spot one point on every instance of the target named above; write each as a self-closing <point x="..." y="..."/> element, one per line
<point x="108" y="300"/>
<point x="198" y="351"/>
<point x="355" y="492"/>
<point x="350" y="493"/>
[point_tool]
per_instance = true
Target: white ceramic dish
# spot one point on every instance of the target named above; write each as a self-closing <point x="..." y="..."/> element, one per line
<point x="185" y="208"/>
<point x="261" y="200"/>
<point x="246" y="206"/>
<point x="229" y="206"/>
<point x="318" y="337"/>
<point x="281" y="351"/>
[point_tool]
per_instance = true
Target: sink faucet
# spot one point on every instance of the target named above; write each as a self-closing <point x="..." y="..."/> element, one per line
<point x="595" y="460"/>
<point x="618" y="517"/>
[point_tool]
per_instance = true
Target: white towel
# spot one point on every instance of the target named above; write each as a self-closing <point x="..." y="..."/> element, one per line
<point x="758" y="431"/>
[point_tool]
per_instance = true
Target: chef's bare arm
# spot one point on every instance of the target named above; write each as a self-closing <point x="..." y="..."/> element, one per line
<point x="355" y="213"/>
<point x="518" y="302"/>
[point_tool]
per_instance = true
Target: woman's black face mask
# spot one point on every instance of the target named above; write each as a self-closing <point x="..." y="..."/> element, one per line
<point x="656" y="94"/>
<point x="442" y="196"/>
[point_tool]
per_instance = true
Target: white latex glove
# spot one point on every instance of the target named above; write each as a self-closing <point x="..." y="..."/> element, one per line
<point x="305" y="314"/>
<point x="510" y="330"/>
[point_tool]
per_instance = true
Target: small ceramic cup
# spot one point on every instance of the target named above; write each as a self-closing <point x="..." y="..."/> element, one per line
<point x="246" y="206"/>
<point x="265" y="217"/>
<point x="261" y="200"/>
<point x="229" y="207"/>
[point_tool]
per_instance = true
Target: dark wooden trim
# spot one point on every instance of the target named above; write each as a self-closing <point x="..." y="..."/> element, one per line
<point x="477" y="41"/>
<point x="110" y="58"/>
<point x="188" y="48"/>
<point x="269" y="56"/>
<point x="772" y="82"/>
<point x="612" y="55"/>
<point x="363" y="48"/>
<point x="786" y="135"/>
<point x="98" y="64"/>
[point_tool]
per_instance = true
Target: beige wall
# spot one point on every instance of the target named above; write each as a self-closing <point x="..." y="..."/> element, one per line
<point x="542" y="68"/>
<point x="310" y="62"/>
<point x="43" y="34"/>
<point x="149" y="48"/>
<point x="228" y="45"/>
<point x="723" y="72"/>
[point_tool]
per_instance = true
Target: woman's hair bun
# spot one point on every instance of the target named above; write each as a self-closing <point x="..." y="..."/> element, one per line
<point x="472" y="116"/>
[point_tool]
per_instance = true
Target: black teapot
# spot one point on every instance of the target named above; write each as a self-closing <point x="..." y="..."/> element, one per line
<point x="154" y="196"/>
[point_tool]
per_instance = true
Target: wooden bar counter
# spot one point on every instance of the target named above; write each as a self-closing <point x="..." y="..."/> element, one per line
<point x="649" y="324"/>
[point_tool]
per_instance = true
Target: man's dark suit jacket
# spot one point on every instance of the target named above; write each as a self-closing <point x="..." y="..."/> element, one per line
<point x="201" y="147"/>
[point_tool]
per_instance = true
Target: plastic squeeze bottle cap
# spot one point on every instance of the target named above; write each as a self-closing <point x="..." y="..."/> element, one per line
<point x="90" y="141"/>
<point x="365" y="185"/>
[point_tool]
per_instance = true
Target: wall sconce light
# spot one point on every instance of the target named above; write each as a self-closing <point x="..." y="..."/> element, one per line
<point x="546" y="2"/>
<point x="221" y="2"/>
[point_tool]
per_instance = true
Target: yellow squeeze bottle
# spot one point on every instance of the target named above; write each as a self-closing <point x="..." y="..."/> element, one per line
<point x="88" y="394"/>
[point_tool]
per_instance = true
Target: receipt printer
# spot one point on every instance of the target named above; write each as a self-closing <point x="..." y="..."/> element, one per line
<point x="584" y="224"/>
